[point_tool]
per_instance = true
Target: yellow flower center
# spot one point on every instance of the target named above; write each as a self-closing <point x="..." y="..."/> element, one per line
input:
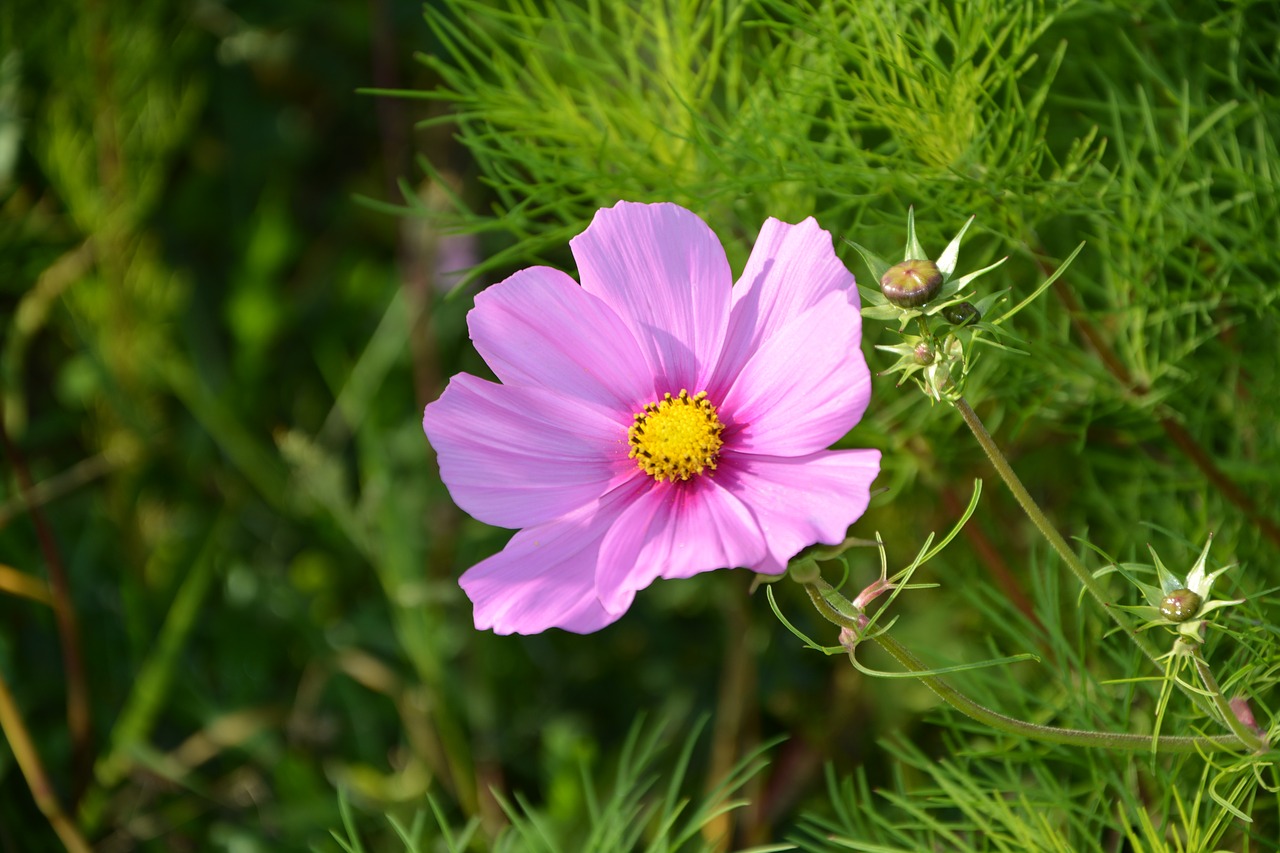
<point x="676" y="437"/>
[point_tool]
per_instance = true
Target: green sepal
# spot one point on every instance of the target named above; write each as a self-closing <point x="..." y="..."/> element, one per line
<point x="881" y="312"/>
<point x="914" y="252"/>
<point x="906" y="362"/>
<point x="951" y="255"/>
<point x="944" y="297"/>
<point x="968" y="277"/>
<point x="872" y="296"/>
<point x="878" y="266"/>
<point x="986" y="303"/>
<point x="1151" y="593"/>
<point x="1168" y="580"/>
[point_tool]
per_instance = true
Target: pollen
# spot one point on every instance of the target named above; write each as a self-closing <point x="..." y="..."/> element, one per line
<point x="677" y="437"/>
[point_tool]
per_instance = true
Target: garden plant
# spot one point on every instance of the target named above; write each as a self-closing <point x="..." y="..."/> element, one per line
<point x="639" y="425"/>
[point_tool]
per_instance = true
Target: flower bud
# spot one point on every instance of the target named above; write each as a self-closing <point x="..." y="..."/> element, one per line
<point x="961" y="314"/>
<point x="1180" y="605"/>
<point x="849" y="638"/>
<point x="923" y="354"/>
<point x="911" y="284"/>
<point x="804" y="570"/>
<point x="1243" y="713"/>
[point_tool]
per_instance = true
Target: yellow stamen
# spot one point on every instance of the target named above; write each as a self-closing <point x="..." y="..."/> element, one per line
<point x="676" y="437"/>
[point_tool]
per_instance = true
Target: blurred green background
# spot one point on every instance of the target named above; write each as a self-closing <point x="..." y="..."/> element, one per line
<point x="218" y="336"/>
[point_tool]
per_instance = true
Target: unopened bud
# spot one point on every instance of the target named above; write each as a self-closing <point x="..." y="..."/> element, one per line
<point x="961" y="314"/>
<point x="1180" y="605"/>
<point x="1240" y="707"/>
<point x="923" y="354"/>
<point x="911" y="284"/>
<point x="850" y="638"/>
<point x="804" y="570"/>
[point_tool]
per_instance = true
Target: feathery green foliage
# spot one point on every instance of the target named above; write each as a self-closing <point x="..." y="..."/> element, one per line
<point x="213" y="359"/>
<point x="641" y="807"/>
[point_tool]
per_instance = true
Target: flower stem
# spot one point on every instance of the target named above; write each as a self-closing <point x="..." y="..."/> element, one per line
<point x="1010" y="725"/>
<point x="1247" y="736"/>
<point x="1055" y="540"/>
<point x="1039" y="519"/>
<point x="1048" y="734"/>
<point x="24" y="750"/>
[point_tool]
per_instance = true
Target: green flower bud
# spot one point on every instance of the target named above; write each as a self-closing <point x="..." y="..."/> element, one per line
<point x="923" y="354"/>
<point x="1180" y="605"/>
<point x="804" y="570"/>
<point x="911" y="284"/>
<point x="961" y="314"/>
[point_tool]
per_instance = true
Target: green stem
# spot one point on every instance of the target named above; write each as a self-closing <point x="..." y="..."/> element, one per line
<point x="1247" y="736"/>
<point x="1048" y="734"/>
<point x="1041" y="521"/>
<point x="1010" y="725"/>
<point x="1055" y="540"/>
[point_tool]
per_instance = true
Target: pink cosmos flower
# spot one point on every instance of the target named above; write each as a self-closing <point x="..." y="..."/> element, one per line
<point x="658" y="420"/>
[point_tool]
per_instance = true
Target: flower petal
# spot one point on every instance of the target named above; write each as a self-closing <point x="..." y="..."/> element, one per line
<point x="664" y="272"/>
<point x="545" y="577"/>
<point x="791" y="269"/>
<point x="516" y="456"/>
<point x="676" y="530"/>
<point x="805" y="386"/>
<point x="538" y="327"/>
<point x="801" y="500"/>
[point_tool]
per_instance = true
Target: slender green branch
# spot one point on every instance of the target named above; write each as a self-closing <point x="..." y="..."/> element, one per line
<point x="1041" y="521"/>
<point x="1010" y="725"/>
<point x="42" y="791"/>
<point x="1055" y="540"/>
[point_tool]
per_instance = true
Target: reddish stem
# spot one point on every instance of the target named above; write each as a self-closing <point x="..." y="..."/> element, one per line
<point x="79" y="721"/>
<point x="1165" y="416"/>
